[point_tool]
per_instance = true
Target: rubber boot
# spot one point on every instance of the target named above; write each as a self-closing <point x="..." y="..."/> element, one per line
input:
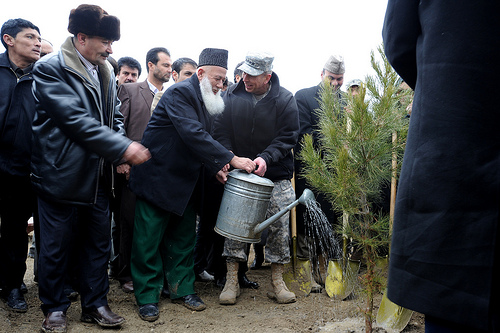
<point x="232" y="287"/>
<point x="320" y="266"/>
<point x="280" y="292"/>
<point x="315" y="286"/>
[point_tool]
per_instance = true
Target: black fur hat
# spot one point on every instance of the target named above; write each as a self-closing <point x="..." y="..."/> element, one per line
<point x="213" y="57"/>
<point x="92" y="20"/>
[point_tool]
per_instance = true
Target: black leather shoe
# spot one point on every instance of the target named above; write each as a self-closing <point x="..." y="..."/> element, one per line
<point x="128" y="287"/>
<point x="149" y="312"/>
<point x="192" y="302"/>
<point x="246" y="283"/>
<point x="23" y="288"/>
<point x="55" y="322"/>
<point x="102" y="316"/>
<point x="15" y="300"/>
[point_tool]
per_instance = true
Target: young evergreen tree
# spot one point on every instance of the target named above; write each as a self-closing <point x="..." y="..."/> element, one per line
<point x="352" y="162"/>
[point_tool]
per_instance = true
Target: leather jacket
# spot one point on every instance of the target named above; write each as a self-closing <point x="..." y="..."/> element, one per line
<point x="77" y="127"/>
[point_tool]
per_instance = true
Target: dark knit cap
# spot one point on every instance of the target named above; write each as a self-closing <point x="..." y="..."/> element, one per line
<point x="92" y="20"/>
<point x="213" y="57"/>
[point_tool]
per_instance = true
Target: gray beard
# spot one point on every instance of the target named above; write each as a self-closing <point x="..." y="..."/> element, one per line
<point x="213" y="102"/>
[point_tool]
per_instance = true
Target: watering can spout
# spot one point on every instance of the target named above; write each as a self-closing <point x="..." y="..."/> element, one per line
<point x="307" y="196"/>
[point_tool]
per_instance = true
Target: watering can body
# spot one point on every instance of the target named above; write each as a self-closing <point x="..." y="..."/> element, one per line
<point x="244" y="205"/>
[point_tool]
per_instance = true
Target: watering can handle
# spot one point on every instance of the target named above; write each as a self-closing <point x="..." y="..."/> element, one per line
<point x="306" y="196"/>
<point x="263" y="225"/>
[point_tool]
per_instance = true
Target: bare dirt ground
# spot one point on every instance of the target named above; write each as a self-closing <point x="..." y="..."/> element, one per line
<point x="254" y="312"/>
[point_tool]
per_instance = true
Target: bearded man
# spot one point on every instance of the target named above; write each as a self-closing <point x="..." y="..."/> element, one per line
<point x="167" y="187"/>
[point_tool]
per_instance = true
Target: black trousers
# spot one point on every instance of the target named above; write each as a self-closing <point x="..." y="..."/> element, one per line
<point x="62" y="227"/>
<point x="125" y="223"/>
<point x="209" y="244"/>
<point x="17" y="205"/>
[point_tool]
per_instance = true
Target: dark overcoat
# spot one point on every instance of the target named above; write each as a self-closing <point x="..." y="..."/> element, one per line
<point x="445" y="237"/>
<point x="180" y="145"/>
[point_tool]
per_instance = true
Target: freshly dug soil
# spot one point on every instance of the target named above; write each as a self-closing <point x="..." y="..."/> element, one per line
<point x="254" y="312"/>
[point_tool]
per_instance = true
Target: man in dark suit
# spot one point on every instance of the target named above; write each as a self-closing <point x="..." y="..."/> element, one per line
<point x="136" y="99"/>
<point x="307" y="99"/>
<point x="127" y="70"/>
<point x="445" y="248"/>
<point x="167" y="187"/>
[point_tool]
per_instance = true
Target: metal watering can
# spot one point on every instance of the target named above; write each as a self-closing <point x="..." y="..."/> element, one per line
<point x="244" y="204"/>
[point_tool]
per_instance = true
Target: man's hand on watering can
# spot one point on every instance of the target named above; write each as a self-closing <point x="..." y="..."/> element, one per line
<point x="222" y="176"/>
<point x="243" y="163"/>
<point x="261" y="166"/>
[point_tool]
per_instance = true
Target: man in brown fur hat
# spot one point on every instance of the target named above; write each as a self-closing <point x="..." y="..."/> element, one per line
<point x="78" y="136"/>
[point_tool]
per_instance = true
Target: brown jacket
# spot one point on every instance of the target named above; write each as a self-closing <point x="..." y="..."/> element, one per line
<point x="136" y="99"/>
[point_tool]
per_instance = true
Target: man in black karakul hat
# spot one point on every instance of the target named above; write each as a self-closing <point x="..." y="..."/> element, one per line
<point x="167" y="186"/>
<point x="78" y="136"/>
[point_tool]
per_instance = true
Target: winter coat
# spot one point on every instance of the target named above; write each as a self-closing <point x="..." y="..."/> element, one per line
<point x="17" y="108"/>
<point x="445" y="235"/>
<point x="269" y="129"/>
<point x="180" y="145"/>
<point x="71" y="138"/>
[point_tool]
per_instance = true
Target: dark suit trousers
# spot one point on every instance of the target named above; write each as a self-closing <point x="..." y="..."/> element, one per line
<point x="17" y="204"/>
<point x="209" y="244"/>
<point x="126" y="227"/>
<point x="63" y="226"/>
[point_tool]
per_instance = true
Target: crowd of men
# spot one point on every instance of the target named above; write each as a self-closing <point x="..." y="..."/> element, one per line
<point x="83" y="144"/>
<point x="117" y="174"/>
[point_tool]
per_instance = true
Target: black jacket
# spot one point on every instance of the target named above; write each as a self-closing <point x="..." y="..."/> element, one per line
<point x="180" y="144"/>
<point x="269" y="129"/>
<point x="308" y="104"/>
<point x="17" y="108"/>
<point x="446" y="225"/>
<point x="76" y="128"/>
